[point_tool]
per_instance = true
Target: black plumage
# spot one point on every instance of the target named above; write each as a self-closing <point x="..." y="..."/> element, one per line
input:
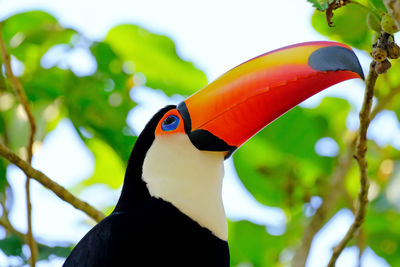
<point x="147" y="231"/>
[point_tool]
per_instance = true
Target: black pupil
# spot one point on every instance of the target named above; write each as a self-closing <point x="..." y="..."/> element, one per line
<point x="169" y="120"/>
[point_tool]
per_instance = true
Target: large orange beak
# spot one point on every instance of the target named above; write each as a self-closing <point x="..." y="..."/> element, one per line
<point x="229" y="111"/>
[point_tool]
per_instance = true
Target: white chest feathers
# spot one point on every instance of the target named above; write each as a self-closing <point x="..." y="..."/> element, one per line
<point x="190" y="179"/>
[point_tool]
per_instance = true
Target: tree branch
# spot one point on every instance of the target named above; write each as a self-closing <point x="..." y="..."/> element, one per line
<point x="361" y="149"/>
<point x="5" y="222"/>
<point x="57" y="189"/>
<point x="329" y="201"/>
<point x="19" y="90"/>
<point x="9" y="228"/>
<point x="361" y="244"/>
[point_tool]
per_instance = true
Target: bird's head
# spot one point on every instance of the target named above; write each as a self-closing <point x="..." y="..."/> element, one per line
<point x="182" y="162"/>
<point x="229" y="111"/>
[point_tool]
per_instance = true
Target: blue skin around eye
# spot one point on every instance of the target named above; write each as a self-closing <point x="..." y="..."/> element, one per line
<point x="172" y="126"/>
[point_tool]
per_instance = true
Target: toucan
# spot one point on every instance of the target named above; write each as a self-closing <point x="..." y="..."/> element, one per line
<point x="170" y="211"/>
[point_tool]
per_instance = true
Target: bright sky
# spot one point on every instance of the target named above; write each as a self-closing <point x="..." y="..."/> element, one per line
<point x="216" y="35"/>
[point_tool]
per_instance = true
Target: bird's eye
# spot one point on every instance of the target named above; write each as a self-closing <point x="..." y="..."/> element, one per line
<point x="170" y="123"/>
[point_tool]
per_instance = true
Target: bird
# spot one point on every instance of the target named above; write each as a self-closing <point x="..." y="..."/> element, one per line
<point x="170" y="211"/>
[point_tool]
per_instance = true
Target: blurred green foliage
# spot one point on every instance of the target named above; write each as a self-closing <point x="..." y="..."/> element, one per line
<point x="279" y="166"/>
<point x="250" y="243"/>
<point x="11" y="245"/>
<point x="155" y="56"/>
<point x="284" y="171"/>
<point x="96" y="103"/>
<point x="349" y="26"/>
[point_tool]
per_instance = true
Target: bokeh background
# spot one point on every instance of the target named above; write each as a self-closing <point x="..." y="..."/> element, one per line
<point x="96" y="71"/>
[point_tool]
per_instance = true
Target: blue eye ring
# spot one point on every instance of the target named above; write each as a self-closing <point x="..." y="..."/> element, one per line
<point x="170" y="123"/>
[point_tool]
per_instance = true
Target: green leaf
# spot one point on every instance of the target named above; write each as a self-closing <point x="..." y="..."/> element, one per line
<point x="46" y="84"/>
<point x="99" y="104"/>
<point x="383" y="231"/>
<point x="3" y="85"/>
<point x="349" y="26"/>
<point x="3" y="178"/>
<point x="334" y="111"/>
<point x="46" y="251"/>
<point x="28" y="23"/>
<point x="155" y="56"/>
<point x="377" y="4"/>
<point x="18" y="129"/>
<point x="352" y="181"/>
<point x="110" y="65"/>
<point x="383" y="165"/>
<point x="109" y="168"/>
<point x="96" y="110"/>
<point x="12" y="245"/>
<point x="279" y="166"/>
<point x="29" y="35"/>
<point x="250" y="243"/>
<point x="382" y="223"/>
<point x="387" y="82"/>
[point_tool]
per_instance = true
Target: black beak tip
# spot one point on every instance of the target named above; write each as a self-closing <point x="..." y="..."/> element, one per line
<point x="334" y="58"/>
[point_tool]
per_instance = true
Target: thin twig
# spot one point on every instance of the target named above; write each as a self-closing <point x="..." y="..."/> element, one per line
<point x="3" y="125"/>
<point x="30" y="238"/>
<point x="8" y="226"/>
<point x="361" y="149"/>
<point x="57" y="189"/>
<point x="361" y="244"/>
<point x="5" y="222"/>
<point x="19" y="90"/>
<point x="321" y="215"/>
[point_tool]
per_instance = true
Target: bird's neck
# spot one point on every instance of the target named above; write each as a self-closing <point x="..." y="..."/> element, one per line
<point x="177" y="172"/>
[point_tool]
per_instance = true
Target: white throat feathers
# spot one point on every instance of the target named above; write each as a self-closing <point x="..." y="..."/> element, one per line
<point x="190" y="179"/>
